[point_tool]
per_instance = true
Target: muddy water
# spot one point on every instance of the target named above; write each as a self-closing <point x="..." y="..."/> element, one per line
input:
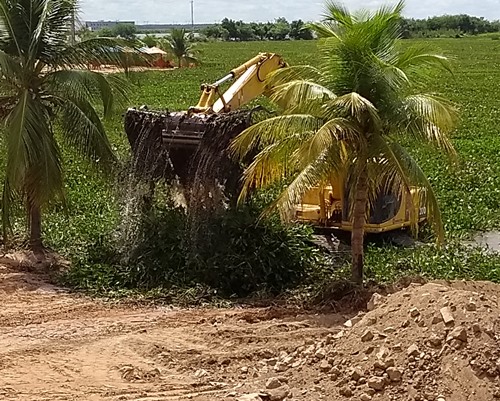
<point x="489" y="240"/>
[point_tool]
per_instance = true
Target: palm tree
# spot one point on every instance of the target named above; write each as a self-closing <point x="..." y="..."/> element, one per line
<point x="180" y="47"/>
<point x="47" y="99"/>
<point x="347" y="118"/>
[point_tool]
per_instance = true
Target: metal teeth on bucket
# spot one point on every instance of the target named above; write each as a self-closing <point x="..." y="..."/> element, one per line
<point x="176" y="130"/>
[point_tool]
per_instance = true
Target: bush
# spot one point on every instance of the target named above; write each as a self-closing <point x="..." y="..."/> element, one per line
<point x="238" y="255"/>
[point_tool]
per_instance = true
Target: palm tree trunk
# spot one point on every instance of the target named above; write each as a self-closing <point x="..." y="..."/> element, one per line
<point x="179" y="62"/>
<point x="35" y="224"/>
<point x="358" y="229"/>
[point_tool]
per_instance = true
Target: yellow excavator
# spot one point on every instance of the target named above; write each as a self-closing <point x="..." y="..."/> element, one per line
<point x="181" y="134"/>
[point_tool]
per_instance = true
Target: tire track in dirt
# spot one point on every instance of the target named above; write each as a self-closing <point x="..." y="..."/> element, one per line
<point x="55" y="345"/>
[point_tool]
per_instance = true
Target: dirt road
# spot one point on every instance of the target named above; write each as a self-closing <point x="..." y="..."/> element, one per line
<point x="59" y="346"/>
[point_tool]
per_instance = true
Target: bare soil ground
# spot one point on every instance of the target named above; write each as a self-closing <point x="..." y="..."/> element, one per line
<point x="55" y="345"/>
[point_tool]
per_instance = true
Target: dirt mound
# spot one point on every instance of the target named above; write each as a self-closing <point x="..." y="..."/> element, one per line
<point x="428" y="342"/>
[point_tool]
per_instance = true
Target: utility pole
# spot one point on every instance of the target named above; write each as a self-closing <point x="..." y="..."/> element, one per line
<point x="192" y="16"/>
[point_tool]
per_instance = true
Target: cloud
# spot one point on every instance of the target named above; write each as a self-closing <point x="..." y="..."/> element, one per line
<point x="208" y="11"/>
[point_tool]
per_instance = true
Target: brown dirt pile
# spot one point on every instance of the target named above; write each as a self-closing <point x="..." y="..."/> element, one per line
<point x="431" y="342"/>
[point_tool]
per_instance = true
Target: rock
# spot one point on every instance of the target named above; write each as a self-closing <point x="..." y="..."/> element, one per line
<point x="369" y="350"/>
<point x="320" y="354"/>
<point x="397" y="347"/>
<point x="367" y="336"/>
<point x="325" y="366"/>
<point x="365" y="397"/>
<point x="476" y="328"/>
<point x="200" y="373"/>
<point x="471" y="306"/>
<point x="348" y="324"/>
<point x="356" y="374"/>
<point x="414" y="312"/>
<point x="376" y="383"/>
<point x="279" y="394"/>
<point x="273" y="383"/>
<point x="371" y="320"/>
<point x="413" y="350"/>
<point x="394" y="374"/>
<point x="490" y="331"/>
<point x="380" y="365"/>
<point x="244" y="369"/>
<point x="389" y="362"/>
<point x="389" y="329"/>
<point x="272" y="361"/>
<point x="383" y="353"/>
<point x="232" y="394"/>
<point x="440" y="398"/>
<point x="280" y="367"/>
<point x="336" y="371"/>
<point x="375" y="301"/>
<point x="437" y="319"/>
<point x="435" y="340"/>
<point x="339" y="335"/>
<point x="346" y="391"/>
<point x="249" y="397"/>
<point x="405" y="324"/>
<point x="458" y="333"/>
<point x="447" y="315"/>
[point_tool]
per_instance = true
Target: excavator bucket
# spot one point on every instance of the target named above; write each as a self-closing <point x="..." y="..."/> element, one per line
<point x="168" y="144"/>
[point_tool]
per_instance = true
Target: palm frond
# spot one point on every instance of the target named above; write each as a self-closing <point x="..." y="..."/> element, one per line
<point x="417" y="56"/>
<point x="272" y="164"/>
<point x="88" y="84"/>
<point x="33" y="157"/>
<point x="301" y="97"/>
<point x="272" y="130"/>
<point x="317" y="172"/>
<point x="338" y="13"/>
<point x="429" y="119"/>
<point x="337" y="137"/>
<point x="356" y="107"/>
<point x="83" y="130"/>
<point x="110" y="51"/>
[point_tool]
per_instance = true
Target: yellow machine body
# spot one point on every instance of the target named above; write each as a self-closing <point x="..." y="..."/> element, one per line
<point x="327" y="207"/>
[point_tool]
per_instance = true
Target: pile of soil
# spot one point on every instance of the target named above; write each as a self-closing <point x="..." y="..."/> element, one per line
<point x="431" y="342"/>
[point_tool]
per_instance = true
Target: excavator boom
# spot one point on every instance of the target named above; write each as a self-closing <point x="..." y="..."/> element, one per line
<point x="250" y="83"/>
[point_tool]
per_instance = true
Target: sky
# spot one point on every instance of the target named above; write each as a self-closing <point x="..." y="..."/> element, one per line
<point x="209" y="11"/>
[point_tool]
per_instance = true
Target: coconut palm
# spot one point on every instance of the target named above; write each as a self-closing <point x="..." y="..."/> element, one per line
<point x="347" y="118"/>
<point x="46" y="89"/>
<point x="179" y="46"/>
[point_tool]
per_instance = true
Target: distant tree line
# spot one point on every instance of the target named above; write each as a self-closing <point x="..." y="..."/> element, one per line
<point x="448" y="25"/>
<point x="280" y="29"/>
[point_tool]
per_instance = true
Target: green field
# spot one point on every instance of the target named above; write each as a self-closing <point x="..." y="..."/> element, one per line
<point x="468" y="190"/>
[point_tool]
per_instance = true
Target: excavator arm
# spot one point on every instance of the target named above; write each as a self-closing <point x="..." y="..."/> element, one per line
<point x="249" y="83"/>
<point x="186" y="129"/>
